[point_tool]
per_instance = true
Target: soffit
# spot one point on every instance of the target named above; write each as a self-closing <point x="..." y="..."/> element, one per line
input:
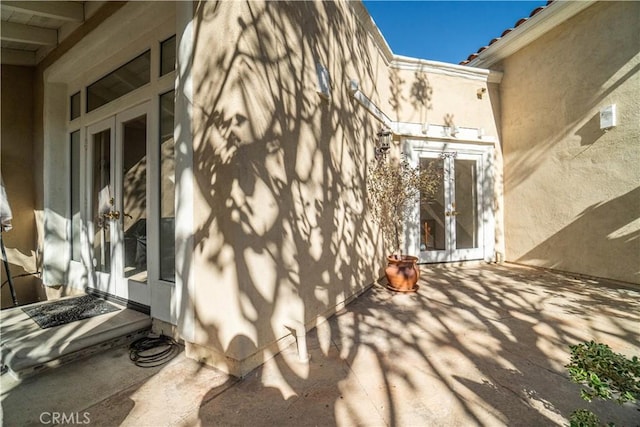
<point x="31" y="29"/>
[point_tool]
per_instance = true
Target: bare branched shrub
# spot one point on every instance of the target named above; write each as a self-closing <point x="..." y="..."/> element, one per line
<point x="393" y="188"/>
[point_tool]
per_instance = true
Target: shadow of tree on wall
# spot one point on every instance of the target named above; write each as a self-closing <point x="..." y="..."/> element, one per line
<point x="603" y="230"/>
<point x="415" y="95"/>
<point x="282" y="175"/>
<point x="556" y="155"/>
<point x="280" y="171"/>
<point x="570" y="91"/>
<point x="421" y="95"/>
<point x="396" y="97"/>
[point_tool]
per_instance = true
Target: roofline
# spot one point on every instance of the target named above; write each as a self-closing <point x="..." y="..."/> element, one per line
<point x="550" y="17"/>
<point x="436" y="67"/>
<point x="367" y="21"/>
<point x="409" y="63"/>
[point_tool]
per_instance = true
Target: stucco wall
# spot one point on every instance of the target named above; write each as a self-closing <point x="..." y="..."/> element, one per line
<point x="571" y="189"/>
<point x="440" y="97"/>
<point x="17" y="172"/>
<point x="281" y="235"/>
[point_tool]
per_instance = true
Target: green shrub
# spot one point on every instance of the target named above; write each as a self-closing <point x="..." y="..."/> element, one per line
<point x="605" y="374"/>
<point x="584" y="418"/>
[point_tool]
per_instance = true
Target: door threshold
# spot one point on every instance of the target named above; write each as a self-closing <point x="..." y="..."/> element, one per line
<point x="454" y="264"/>
<point x="136" y="306"/>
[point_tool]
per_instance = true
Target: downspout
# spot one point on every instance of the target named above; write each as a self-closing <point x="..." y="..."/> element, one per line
<point x="300" y="333"/>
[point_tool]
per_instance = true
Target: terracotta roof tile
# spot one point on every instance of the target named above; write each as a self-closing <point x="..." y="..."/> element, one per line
<point x="536" y="10"/>
<point x="505" y="32"/>
<point x="520" y="22"/>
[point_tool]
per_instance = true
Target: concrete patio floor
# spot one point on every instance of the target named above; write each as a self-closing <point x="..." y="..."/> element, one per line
<point x="477" y="345"/>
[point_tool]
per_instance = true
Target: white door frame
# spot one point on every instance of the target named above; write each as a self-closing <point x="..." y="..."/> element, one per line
<point x="417" y="148"/>
<point x="104" y="282"/>
<point x="115" y="283"/>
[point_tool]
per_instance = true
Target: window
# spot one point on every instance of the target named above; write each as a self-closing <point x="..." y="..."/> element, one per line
<point x="75" y="195"/>
<point x="75" y="105"/>
<point x="168" y="56"/>
<point x="167" y="188"/>
<point x="132" y="75"/>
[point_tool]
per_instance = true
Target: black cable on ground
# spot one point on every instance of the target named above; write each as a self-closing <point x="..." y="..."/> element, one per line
<point x="151" y="351"/>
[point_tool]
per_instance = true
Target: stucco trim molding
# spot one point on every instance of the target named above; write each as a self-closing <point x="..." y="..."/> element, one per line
<point x="435" y="67"/>
<point x="442" y="133"/>
<point x="421" y="130"/>
<point x="371" y="107"/>
<point x="539" y="24"/>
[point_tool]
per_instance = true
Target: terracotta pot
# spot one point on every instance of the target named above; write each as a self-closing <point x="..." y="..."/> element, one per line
<point x="402" y="273"/>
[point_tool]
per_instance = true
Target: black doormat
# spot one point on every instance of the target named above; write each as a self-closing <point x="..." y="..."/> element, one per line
<point x="51" y="314"/>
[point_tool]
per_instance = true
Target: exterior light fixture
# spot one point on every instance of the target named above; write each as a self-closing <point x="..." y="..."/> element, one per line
<point x="384" y="142"/>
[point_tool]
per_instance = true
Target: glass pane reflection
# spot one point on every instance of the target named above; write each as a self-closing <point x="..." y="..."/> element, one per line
<point x="167" y="188"/>
<point x="466" y="204"/>
<point x="134" y="198"/>
<point x="75" y="196"/>
<point x="132" y="75"/>
<point x="102" y="197"/>
<point x="432" y="218"/>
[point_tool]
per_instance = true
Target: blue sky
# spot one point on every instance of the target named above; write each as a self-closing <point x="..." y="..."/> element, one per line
<point x="447" y="31"/>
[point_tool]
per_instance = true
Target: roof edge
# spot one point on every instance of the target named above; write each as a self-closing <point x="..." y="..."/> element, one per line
<point x="367" y="21"/>
<point x="536" y="26"/>
<point x="436" y="67"/>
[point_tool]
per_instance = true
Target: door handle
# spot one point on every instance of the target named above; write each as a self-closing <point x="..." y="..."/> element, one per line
<point x="112" y="215"/>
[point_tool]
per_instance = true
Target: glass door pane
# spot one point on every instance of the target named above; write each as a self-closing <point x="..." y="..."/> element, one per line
<point x="433" y="222"/>
<point x="134" y="197"/>
<point x="450" y="222"/>
<point x="102" y="196"/>
<point x="76" y="217"/>
<point x="119" y="167"/>
<point x="465" y="205"/>
<point x="167" y="188"/>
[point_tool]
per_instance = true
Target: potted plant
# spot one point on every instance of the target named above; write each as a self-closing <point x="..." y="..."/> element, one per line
<point x="393" y="188"/>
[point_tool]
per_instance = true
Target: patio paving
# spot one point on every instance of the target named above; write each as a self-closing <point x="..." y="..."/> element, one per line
<point x="477" y="345"/>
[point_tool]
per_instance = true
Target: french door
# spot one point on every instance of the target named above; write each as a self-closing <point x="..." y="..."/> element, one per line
<point x="117" y="165"/>
<point x="452" y="225"/>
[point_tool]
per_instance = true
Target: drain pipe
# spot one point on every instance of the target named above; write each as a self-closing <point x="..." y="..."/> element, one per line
<point x="300" y="333"/>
